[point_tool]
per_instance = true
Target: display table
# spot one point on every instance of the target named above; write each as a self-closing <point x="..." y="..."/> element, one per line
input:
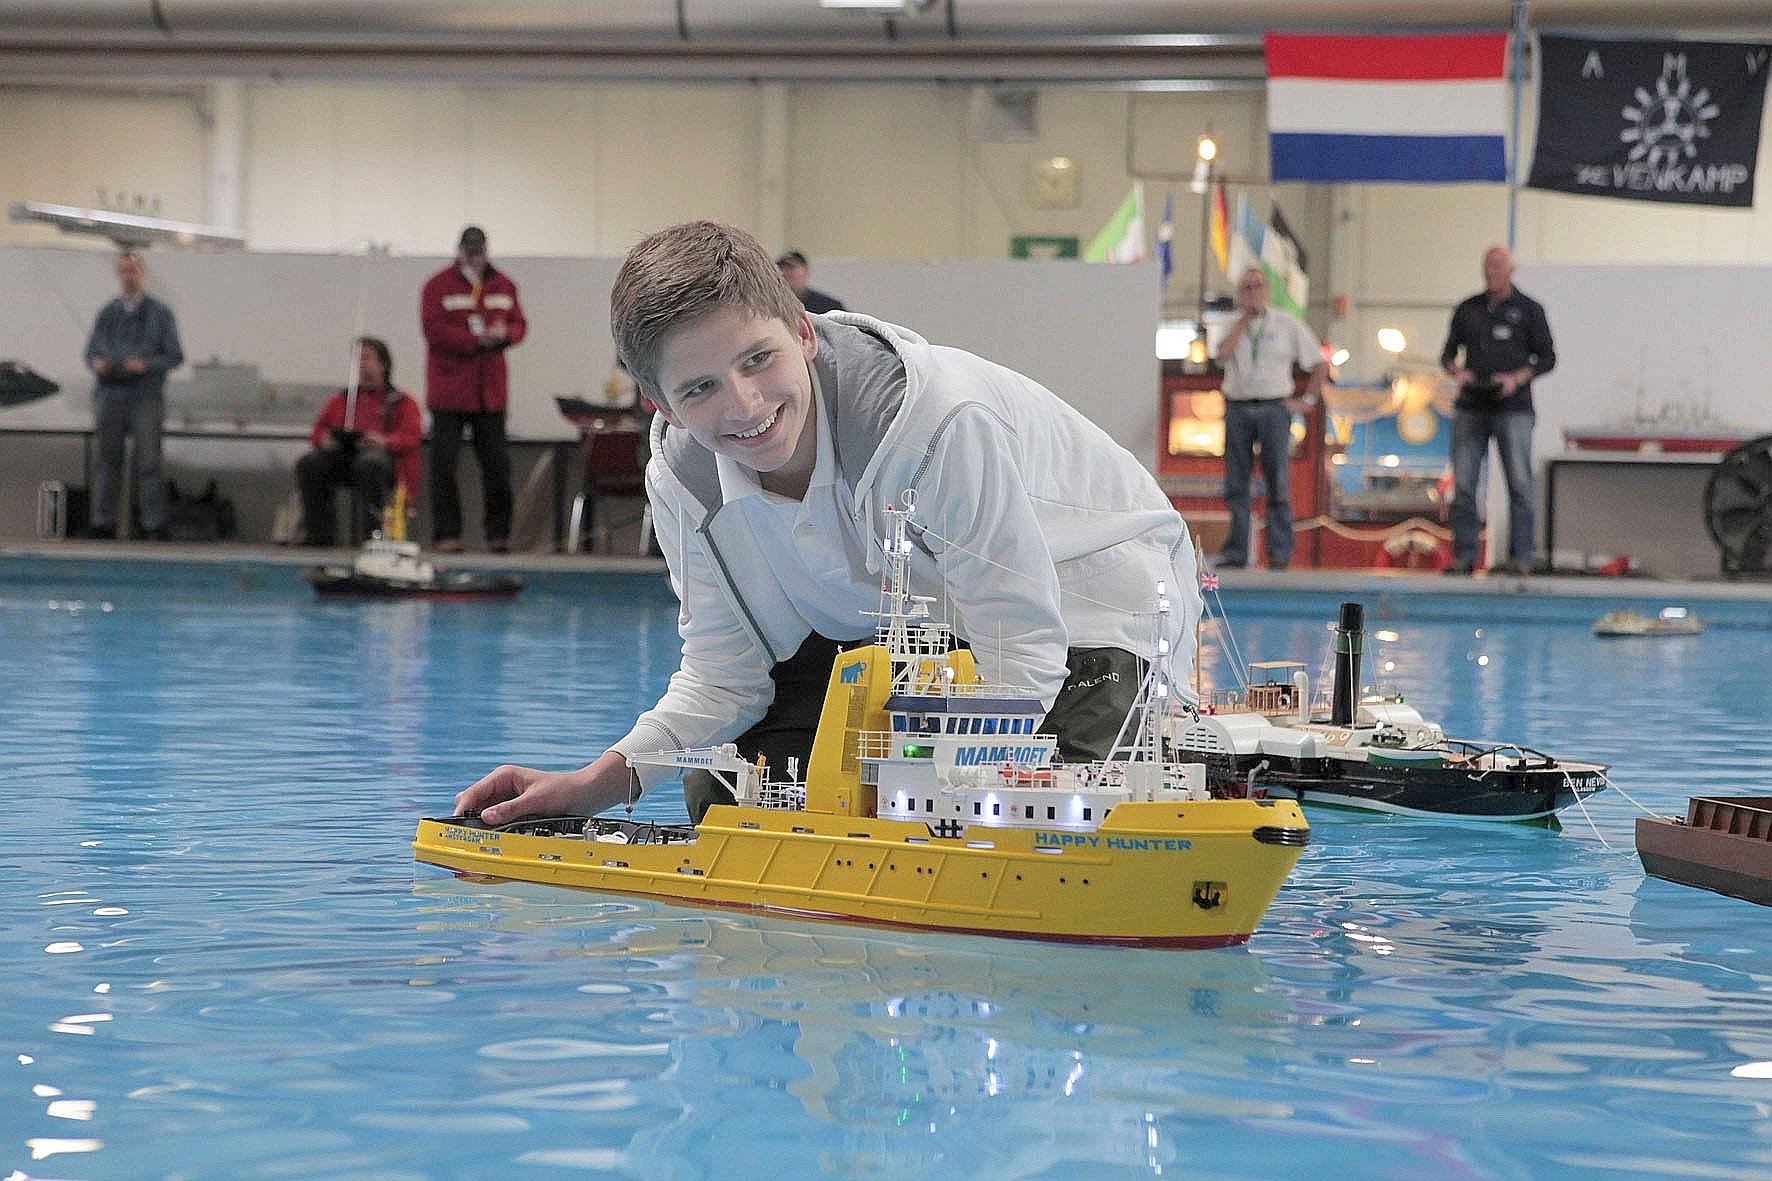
<point x="1647" y="505"/>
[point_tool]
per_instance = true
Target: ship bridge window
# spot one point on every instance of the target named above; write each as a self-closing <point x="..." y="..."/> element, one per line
<point x="990" y="725"/>
<point x="898" y="722"/>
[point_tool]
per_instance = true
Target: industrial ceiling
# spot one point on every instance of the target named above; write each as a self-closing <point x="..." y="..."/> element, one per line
<point x="1153" y="42"/>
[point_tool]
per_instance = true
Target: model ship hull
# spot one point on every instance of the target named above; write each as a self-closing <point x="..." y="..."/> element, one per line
<point x="1723" y="845"/>
<point x="1528" y="795"/>
<point x="339" y="582"/>
<point x="1188" y="875"/>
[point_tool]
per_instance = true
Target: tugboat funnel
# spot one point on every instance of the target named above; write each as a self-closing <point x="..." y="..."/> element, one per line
<point x="1350" y="641"/>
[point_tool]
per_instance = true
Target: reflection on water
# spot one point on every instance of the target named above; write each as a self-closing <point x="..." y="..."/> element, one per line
<point x="223" y="962"/>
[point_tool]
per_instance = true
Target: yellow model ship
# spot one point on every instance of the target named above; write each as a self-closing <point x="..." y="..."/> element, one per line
<point x="931" y="801"/>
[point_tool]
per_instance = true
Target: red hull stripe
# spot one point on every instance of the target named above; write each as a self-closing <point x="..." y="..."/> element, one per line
<point x="1387" y="59"/>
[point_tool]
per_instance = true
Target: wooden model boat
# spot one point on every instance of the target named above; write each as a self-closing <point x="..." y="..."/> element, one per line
<point x="1723" y="844"/>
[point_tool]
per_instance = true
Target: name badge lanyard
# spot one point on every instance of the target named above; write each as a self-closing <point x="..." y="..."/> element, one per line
<point x="1255" y="339"/>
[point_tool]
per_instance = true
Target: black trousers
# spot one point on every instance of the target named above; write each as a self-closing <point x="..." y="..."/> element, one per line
<point x="1098" y="692"/>
<point x="487" y="431"/>
<point x="369" y="471"/>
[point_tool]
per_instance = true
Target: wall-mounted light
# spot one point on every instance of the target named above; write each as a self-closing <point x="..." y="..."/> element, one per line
<point x="1207" y="148"/>
<point x="1391" y="341"/>
<point x="1338" y="358"/>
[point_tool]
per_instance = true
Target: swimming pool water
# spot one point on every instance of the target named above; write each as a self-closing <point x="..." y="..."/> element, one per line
<point x="222" y="962"/>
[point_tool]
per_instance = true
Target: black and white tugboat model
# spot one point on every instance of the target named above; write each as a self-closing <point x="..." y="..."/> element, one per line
<point x="390" y="567"/>
<point x="1375" y="755"/>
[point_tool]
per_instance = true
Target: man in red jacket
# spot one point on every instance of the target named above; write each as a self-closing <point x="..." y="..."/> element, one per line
<point x="365" y="438"/>
<point x="470" y="315"/>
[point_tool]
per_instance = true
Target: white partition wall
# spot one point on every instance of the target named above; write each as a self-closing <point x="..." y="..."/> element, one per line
<point x="1086" y="331"/>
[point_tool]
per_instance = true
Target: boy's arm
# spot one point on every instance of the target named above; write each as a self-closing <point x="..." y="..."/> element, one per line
<point x="721" y="687"/>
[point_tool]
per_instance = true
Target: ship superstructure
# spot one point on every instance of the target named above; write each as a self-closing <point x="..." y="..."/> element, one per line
<point x="960" y="751"/>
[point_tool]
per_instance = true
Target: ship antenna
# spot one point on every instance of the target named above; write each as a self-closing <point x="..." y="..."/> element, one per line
<point x="355" y="349"/>
<point x="1145" y="719"/>
<point x="899" y="609"/>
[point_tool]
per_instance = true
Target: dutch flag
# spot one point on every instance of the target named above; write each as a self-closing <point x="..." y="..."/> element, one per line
<point x="1423" y="109"/>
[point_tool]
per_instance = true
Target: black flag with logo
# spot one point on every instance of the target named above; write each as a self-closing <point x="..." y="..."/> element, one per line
<point x="1673" y="121"/>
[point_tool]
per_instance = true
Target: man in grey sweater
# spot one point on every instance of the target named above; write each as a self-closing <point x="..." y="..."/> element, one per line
<point x="133" y="345"/>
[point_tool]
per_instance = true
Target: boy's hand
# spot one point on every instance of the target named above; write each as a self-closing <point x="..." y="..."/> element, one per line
<point x="510" y="792"/>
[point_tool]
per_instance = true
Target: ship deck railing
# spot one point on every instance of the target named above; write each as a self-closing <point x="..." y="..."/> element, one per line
<point x="1268" y="698"/>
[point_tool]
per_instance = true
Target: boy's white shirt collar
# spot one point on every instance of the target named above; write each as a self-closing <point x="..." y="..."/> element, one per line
<point x="738" y="481"/>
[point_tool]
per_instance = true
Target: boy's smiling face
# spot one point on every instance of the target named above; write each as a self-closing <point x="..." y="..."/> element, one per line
<point x="741" y="385"/>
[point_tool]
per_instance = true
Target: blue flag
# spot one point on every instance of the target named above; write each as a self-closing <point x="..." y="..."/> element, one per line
<point x="1166" y="238"/>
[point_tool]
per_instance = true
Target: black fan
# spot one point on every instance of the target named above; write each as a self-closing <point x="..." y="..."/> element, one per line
<point x="1738" y="507"/>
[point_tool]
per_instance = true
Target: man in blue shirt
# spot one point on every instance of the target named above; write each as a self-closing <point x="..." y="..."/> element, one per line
<point x="1506" y="342"/>
<point x="133" y="345"/>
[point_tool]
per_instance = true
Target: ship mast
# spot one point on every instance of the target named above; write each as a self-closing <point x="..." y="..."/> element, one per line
<point x="915" y="643"/>
<point x="1140" y="739"/>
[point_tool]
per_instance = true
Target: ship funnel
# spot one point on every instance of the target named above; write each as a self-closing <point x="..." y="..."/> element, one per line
<point x="1350" y="641"/>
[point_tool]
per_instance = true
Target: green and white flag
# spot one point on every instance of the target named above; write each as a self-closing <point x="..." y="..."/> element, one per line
<point x="1122" y="238"/>
<point x="1254" y="243"/>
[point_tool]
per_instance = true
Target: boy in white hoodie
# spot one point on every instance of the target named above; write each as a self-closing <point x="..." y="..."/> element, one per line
<point x="780" y="439"/>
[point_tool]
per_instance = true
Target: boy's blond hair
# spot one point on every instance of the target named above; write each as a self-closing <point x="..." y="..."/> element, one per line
<point x="680" y="274"/>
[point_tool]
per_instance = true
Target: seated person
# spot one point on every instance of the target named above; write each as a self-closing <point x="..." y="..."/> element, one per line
<point x="368" y="438"/>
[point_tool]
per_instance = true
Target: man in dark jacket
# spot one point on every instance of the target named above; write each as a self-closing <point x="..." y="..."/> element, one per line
<point x="1505" y="342"/>
<point x="470" y="315"/>
<point x="133" y="344"/>
<point x="796" y="271"/>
